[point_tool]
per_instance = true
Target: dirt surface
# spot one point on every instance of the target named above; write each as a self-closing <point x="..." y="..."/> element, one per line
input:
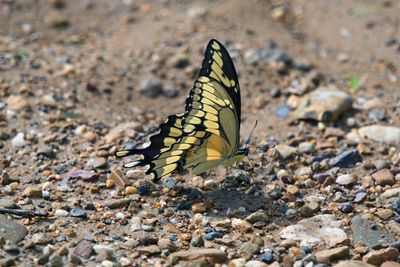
<point x="74" y="81"/>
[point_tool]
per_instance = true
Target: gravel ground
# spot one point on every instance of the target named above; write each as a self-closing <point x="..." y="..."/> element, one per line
<point x="79" y="79"/>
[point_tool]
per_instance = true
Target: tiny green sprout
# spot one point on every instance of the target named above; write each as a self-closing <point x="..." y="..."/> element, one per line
<point x="354" y="82"/>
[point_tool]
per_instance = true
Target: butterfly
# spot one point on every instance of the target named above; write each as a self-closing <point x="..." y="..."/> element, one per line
<point x="206" y="135"/>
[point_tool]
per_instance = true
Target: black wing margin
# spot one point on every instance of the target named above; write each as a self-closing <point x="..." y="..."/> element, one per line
<point x="217" y="58"/>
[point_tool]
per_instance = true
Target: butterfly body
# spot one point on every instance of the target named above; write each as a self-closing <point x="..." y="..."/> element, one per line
<point x="207" y="133"/>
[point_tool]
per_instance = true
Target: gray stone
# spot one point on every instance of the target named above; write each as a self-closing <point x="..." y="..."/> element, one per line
<point x="40" y="239"/>
<point x="11" y="230"/>
<point x="306" y="147"/>
<point x="286" y="151"/>
<point x="7" y="203"/>
<point x="151" y="86"/>
<point x="381" y="164"/>
<point x="249" y="249"/>
<point x="360" y="197"/>
<point x="369" y="233"/>
<point x="380" y="133"/>
<point x="56" y="261"/>
<point x="323" y="104"/>
<point x="258" y="216"/>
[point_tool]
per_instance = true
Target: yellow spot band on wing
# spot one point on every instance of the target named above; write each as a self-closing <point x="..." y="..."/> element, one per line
<point x="211" y="117"/>
<point x="217" y="58"/>
<point x="203" y="79"/>
<point x="175" y="132"/>
<point x="211" y="125"/>
<point x="168" y="141"/>
<point x="216" y="46"/>
<point x="193" y="120"/>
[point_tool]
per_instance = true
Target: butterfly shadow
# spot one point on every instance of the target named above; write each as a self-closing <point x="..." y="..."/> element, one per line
<point x="224" y="202"/>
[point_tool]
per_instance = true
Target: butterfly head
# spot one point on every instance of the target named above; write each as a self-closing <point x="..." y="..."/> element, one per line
<point x="243" y="151"/>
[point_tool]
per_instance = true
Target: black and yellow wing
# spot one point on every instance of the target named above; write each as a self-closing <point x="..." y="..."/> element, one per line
<point x="207" y="134"/>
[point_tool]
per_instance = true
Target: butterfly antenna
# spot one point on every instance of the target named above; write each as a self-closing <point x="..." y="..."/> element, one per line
<point x="252" y="131"/>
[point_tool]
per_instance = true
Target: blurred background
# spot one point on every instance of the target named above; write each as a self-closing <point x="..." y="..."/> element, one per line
<point x="106" y="53"/>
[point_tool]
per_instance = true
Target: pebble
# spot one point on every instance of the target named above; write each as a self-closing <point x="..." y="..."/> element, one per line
<point x="46" y="151"/>
<point x="32" y="192"/>
<point x="150" y="86"/>
<point x="12" y="230"/>
<point x="77" y="212"/>
<point x="380" y="133"/>
<point x="197" y="241"/>
<point x="266" y="257"/>
<point x="19" y="140"/>
<point x="332" y="255"/>
<point x="84" y="249"/>
<point x="82" y="174"/>
<point x="360" y="197"/>
<point x="213" y="235"/>
<point x="258" y="216"/>
<point x="7" y="203"/>
<point x="385" y="214"/>
<point x="312" y="106"/>
<point x="377" y="257"/>
<point x="144" y="190"/>
<point x="346" y="179"/>
<point x="255" y="263"/>
<point x="237" y="262"/>
<point x="169" y="183"/>
<point x="199" y="208"/>
<point x="241" y="225"/>
<point x="381" y="164"/>
<point x="392" y="192"/>
<point x="61" y="213"/>
<point x="148" y="228"/>
<point x="346" y="207"/>
<point x="346" y="159"/>
<point x="96" y="163"/>
<point x="283" y="111"/>
<point x="286" y="151"/>
<point x="306" y="147"/>
<point x="212" y="255"/>
<point x="17" y="103"/>
<point x="130" y="190"/>
<point x="383" y="177"/>
<point x="165" y="243"/>
<point x="249" y="249"/>
<point x="40" y="239"/>
<point x="292" y="189"/>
